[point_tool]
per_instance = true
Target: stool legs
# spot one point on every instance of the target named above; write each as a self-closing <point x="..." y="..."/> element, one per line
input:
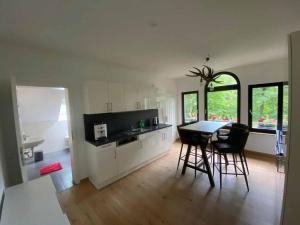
<point x="213" y="156"/>
<point x="196" y="154"/>
<point x="244" y="171"/>
<point x="220" y="168"/>
<point x="234" y="163"/>
<point x="179" y="156"/>
<point x="244" y="156"/>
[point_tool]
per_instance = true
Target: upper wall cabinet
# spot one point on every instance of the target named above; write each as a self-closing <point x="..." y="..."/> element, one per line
<point x="133" y="99"/>
<point x="103" y="97"/>
<point x="116" y="97"/>
<point x="96" y="97"/>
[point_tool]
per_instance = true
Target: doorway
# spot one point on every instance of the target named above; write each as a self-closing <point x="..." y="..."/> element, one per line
<point x="45" y="132"/>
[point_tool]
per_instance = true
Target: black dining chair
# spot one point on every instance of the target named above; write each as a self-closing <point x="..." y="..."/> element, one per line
<point x="195" y="140"/>
<point x="222" y="137"/>
<point x="182" y="157"/>
<point x="234" y="145"/>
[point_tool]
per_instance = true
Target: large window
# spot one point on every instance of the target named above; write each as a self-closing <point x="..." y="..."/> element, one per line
<point x="190" y="107"/>
<point x="222" y="98"/>
<point x="268" y="107"/>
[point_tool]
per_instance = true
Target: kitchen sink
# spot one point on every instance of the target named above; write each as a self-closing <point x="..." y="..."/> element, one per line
<point x="137" y="130"/>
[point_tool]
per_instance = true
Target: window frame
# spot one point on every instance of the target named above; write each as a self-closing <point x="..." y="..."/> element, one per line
<point x="236" y="86"/>
<point x="182" y="106"/>
<point x="280" y="86"/>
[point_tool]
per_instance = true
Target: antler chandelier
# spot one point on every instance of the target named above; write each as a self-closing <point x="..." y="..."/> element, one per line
<point x="206" y="73"/>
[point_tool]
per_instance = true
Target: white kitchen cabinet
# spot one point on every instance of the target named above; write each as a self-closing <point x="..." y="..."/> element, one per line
<point x="151" y="144"/>
<point x="96" y="97"/>
<point x="147" y="94"/>
<point x="102" y="163"/>
<point x="110" y="162"/>
<point x="133" y="99"/>
<point x="116" y="97"/>
<point x="166" y="139"/>
<point x="129" y="156"/>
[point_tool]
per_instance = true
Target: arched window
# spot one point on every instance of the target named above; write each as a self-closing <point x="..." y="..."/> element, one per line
<point x="222" y="100"/>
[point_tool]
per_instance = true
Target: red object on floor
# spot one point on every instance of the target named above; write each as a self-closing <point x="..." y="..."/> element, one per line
<point x="50" y="168"/>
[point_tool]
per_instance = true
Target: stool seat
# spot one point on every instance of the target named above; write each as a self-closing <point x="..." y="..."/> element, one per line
<point x="224" y="147"/>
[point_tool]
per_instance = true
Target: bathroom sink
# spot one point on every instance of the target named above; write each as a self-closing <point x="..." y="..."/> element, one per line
<point x="32" y="142"/>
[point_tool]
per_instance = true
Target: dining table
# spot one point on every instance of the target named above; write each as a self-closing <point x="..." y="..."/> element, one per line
<point x="207" y="128"/>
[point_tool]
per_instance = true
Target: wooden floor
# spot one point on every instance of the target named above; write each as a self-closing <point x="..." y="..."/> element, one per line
<point x="157" y="195"/>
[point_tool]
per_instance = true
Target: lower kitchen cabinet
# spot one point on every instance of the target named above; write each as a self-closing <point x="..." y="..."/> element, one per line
<point x="166" y="138"/>
<point x="129" y="156"/>
<point x="102" y="163"/>
<point x="109" y="162"/>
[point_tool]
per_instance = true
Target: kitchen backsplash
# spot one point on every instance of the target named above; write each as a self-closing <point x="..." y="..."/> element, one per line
<point x="119" y="121"/>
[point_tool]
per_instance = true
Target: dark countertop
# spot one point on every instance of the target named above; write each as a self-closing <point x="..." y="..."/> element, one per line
<point x="127" y="134"/>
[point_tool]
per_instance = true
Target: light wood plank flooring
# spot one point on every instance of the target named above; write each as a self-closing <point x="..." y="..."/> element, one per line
<point x="156" y="194"/>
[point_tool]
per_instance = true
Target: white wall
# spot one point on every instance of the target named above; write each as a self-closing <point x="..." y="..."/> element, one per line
<point x="39" y="110"/>
<point x="290" y="214"/>
<point x="266" y="72"/>
<point x="36" y="67"/>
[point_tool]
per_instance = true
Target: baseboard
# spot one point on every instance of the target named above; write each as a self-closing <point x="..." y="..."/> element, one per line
<point x="259" y="154"/>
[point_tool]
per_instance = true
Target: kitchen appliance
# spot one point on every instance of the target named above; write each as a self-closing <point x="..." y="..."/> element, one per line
<point x="100" y="131"/>
<point x="155" y="121"/>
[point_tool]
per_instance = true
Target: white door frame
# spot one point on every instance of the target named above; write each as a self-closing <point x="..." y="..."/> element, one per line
<point x="17" y="126"/>
<point x="14" y="85"/>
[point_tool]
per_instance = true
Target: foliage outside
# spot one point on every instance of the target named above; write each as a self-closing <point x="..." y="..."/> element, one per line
<point x="190" y="107"/>
<point x="265" y="107"/>
<point x="285" y="106"/>
<point x="222" y="105"/>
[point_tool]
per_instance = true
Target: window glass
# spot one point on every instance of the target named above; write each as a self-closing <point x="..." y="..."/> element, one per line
<point x="224" y="80"/>
<point x="265" y="107"/>
<point x="285" y="107"/>
<point x="222" y="105"/>
<point x="190" y="107"/>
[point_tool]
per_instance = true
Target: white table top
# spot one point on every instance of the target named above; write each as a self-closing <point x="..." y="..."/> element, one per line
<point x="32" y="203"/>
<point x="208" y="127"/>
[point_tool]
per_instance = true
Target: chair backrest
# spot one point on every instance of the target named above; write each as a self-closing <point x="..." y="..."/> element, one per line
<point x="240" y="125"/>
<point x="238" y="137"/>
<point x="192" y="138"/>
<point x="235" y="125"/>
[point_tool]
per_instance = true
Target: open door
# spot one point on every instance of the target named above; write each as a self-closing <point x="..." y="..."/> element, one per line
<point x="17" y="126"/>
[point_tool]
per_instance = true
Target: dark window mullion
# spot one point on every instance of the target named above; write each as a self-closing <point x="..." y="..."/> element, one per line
<point x="223" y="88"/>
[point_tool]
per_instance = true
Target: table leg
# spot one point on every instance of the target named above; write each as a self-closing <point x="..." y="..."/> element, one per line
<point x="186" y="160"/>
<point x="210" y="176"/>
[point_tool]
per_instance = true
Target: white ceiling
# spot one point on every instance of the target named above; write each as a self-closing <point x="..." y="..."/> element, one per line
<point x="164" y="37"/>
